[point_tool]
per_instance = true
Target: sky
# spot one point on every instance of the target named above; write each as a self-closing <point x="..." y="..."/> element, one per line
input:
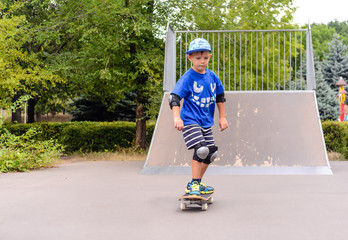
<point x="320" y="11"/>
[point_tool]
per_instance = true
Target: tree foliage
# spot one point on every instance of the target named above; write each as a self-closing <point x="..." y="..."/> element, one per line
<point x="328" y="104"/>
<point x="341" y="29"/>
<point x="93" y="43"/>
<point x="85" y="109"/>
<point x="231" y="14"/>
<point x="322" y="35"/>
<point x="335" y="64"/>
<point x="106" y="49"/>
<point x="20" y="70"/>
<point x="64" y="49"/>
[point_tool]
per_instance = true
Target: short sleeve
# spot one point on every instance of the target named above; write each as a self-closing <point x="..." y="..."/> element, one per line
<point x="181" y="89"/>
<point x="219" y="87"/>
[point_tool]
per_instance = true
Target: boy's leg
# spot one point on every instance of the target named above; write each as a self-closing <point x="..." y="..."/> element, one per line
<point x="204" y="165"/>
<point x="195" y="138"/>
<point x="198" y="169"/>
<point x="203" y="169"/>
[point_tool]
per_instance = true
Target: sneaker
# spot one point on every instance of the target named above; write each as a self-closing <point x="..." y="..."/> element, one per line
<point x="193" y="188"/>
<point x="188" y="187"/>
<point x="206" y="189"/>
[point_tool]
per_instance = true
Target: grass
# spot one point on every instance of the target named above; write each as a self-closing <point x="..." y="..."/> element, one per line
<point x="124" y="155"/>
<point x="335" y="156"/>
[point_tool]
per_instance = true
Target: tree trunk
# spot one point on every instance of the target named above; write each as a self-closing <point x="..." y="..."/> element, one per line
<point x="140" y="135"/>
<point x="38" y="117"/>
<point x="16" y="116"/>
<point x="31" y="110"/>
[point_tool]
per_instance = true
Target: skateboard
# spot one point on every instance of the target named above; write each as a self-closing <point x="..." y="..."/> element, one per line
<point x="202" y="201"/>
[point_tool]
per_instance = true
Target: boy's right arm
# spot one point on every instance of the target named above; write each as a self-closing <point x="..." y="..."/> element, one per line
<point x="178" y="123"/>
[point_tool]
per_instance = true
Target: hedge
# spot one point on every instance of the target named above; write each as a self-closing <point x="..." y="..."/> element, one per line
<point x="336" y="136"/>
<point x="47" y="130"/>
<point x="101" y="136"/>
<point x="86" y="136"/>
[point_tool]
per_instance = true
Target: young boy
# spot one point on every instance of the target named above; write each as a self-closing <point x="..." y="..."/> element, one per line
<point x="200" y="88"/>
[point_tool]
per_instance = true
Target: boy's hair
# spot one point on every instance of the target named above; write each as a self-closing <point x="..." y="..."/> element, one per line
<point x="201" y="52"/>
<point x="199" y="45"/>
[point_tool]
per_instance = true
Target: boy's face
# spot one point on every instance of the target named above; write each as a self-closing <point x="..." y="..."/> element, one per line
<point x="199" y="60"/>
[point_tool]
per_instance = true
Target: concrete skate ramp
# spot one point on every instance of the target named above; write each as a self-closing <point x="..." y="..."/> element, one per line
<point x="273" y="132"/>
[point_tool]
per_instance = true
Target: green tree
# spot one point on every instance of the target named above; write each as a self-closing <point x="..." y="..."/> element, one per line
<point x="21" y="71"/>
<point x="335" y="64"/>
<point x="236" y="14"/>
<point x="341" y="29"/>
<point x="106" y="49"/>
<point x="85" y="109"/>
<point x="322" y="35"/>
<point x="328" y="104"/>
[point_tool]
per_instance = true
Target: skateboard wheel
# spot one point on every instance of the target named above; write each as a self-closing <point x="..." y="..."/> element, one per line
<point x="204" y="206"/>
<point x="182" y="206"/>
<point x="211" y="200"/>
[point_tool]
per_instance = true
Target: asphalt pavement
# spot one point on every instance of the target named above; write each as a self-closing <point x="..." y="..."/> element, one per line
<point x="105" y="200"/>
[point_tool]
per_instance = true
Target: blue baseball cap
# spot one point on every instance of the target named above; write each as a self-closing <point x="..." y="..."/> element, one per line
<point x="198" y="45"/>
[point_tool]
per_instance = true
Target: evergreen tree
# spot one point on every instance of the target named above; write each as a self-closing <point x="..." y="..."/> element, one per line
<point x="335" y="64"/>
<point x="89" y="109"/>
<point x="328" y="104"/>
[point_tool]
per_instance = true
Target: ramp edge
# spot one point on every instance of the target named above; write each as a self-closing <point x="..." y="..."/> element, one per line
<point x="214" y="170"/>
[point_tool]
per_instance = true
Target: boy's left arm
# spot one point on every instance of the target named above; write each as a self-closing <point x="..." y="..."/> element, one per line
<point x="222" y="116"/>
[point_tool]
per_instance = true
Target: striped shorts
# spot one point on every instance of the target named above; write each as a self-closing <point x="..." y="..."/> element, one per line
<point x="194" y="134"/>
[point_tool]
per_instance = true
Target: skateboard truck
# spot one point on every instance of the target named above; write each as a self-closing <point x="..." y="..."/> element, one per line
<point x="202" y="201"/>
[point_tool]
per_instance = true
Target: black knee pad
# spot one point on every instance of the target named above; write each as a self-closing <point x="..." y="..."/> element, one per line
<point x="212" y="155"/>
<point x="201" y="151"/>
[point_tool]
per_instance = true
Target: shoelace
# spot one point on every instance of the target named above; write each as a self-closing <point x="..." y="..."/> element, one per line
<point x="195" y="186"/>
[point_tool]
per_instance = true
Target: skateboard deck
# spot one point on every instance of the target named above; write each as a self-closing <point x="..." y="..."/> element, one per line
<point x="202" y="201"/>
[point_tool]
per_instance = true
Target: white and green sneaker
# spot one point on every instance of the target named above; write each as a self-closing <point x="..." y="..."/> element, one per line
<point x="193" y="188"/>
<point x="206" y="189"/>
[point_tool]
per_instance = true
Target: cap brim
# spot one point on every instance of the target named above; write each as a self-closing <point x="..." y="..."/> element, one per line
<point x="197" y="50"/>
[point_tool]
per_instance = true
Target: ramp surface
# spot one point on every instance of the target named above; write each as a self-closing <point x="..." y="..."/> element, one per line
<point x="273" y="132"/>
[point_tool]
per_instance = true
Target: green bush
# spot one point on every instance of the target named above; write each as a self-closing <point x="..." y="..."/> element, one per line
<point x="150" y="128"/>
<point x="112" y="136"/>
<point x="98" y="136"/>
<point x="85" y="136"/>
<point x="46" y="130"/>
<point x="26" y="149"/>
<point x="24" y="152"/>
<point x="336" y="136"/>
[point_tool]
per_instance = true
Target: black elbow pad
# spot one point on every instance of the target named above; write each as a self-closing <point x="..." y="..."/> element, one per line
<point x="174" y="100"/>
<point x="221" y="98"/>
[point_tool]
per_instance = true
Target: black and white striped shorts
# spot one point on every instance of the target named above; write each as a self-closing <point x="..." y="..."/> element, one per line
<point x="194" y="134"/>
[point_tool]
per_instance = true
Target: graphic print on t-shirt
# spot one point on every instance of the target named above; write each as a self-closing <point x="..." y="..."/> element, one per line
<point x="202" y="98"/>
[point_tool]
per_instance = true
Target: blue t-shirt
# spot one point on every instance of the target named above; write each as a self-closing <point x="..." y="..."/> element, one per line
<point x="199" y="92"/>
